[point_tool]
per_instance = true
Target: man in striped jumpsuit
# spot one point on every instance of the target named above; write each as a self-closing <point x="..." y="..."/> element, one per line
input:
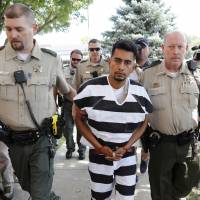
<point x="116" y="110"/>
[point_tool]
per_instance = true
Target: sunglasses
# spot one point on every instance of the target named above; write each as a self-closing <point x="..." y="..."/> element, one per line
<point x="76" y="59"/>
<point x="94" y="49"/>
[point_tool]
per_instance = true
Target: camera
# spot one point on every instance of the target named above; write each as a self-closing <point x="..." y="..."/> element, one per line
<point x="196" y="55"/>
<point x="192" y="63"/>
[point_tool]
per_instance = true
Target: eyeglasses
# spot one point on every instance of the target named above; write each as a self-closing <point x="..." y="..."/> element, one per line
<point x="76" y="59"/>
<point x="94" y="49"/>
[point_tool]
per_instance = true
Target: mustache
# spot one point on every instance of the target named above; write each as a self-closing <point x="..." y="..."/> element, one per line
<point x="176" y="57"/>
<point x="119" y="73"/>
<point x="15" y="40"/>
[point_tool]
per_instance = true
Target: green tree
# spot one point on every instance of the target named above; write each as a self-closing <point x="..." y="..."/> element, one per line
<point x="148" y="18"/>
<point x="50" y="14"/>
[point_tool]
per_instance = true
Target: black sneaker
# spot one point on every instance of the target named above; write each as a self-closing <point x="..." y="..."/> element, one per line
<point x="53" y="196"/>
<point x="143" y="166"/>
<point x="81" y="156"/>
<point x="68" y="154"/>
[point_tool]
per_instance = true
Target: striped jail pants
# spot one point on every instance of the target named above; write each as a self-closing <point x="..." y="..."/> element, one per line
<point x="106" y="175"/>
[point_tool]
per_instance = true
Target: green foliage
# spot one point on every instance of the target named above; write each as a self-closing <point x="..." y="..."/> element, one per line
<point x="148" y="18"/>
<point x="50" y="14"/>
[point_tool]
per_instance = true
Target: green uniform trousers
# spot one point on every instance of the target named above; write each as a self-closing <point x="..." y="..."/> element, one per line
<point x="69" y="127"/>
<point x="33" y="167"/>
<point x="172" y="171"/>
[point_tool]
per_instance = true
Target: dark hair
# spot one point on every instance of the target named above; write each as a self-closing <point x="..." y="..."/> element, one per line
<point x="77" y="51"/>
<point x="18" y="10"/>
<point x="93" y="41"/>
<point x="126" y="45"/>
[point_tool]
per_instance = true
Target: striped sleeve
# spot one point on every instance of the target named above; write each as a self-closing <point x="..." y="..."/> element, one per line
<point x="85" y="96"/>
<point x="140" y="94"/>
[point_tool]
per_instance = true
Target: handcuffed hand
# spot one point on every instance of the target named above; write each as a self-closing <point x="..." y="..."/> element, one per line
<point x="105" y="150"/>
<point x="117" y="155"/>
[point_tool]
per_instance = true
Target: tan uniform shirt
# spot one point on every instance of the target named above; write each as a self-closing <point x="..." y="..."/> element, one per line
<point x="174" y="99"/>
<point x="84" y="70"/>
<point x="43" y="71"/>
<point x="69" y="73"/>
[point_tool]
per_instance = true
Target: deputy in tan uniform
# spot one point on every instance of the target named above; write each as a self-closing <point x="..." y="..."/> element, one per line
<point x="69" y="71"/>
<point x="93" y="67"/>
<point x="31" y="150"/>
<point x="173" y="90"/>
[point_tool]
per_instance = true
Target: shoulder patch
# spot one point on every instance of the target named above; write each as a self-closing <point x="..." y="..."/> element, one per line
<point x="2" y="47"/>
<point x="53" y="53"/>
<point x="153" y="64"/>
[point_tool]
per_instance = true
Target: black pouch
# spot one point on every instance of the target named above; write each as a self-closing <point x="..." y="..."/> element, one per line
<point x="144" y="139"/>
<point x="60" y="100"/>
<point x="184" y="138"/>
<point x="5" y="136"/>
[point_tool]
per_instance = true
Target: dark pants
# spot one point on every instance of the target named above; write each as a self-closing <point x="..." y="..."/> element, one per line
<point x="69" y="127"/>
<point x="172" y="171"/>
<point x="33" y="167"/>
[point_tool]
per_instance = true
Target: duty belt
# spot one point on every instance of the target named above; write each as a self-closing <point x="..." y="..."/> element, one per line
<point x="25" y="137"/>
<point x="181" y="138"/>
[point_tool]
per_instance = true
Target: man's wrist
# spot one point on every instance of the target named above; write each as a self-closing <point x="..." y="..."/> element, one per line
<point x="126" y="148"/>
<point x="99" y="148"/>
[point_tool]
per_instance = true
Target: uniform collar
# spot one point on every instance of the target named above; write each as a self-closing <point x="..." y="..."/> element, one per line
<point x="36" y="52"/>
<point x="101" y="63"/>
<point x="184" y="69"/>
<point x="72" y="68"/>
<point x="11" y="53"/>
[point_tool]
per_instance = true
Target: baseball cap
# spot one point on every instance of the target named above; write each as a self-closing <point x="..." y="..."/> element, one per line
<point x="143" y="42"/>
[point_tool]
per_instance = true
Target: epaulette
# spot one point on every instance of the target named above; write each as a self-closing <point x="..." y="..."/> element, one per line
<point x="153" y="64"/>
<point x="53" y="53"/>
<point x="2" y="47"/>
<point x="82" y="61"/>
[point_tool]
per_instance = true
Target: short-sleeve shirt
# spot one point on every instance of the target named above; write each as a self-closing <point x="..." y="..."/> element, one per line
<point x="43" y="71"/>
<point x="107" y="119"/>
<point x="69" y="73"/>
<point x="174" y="99"/>
<point x="86" y="69"/>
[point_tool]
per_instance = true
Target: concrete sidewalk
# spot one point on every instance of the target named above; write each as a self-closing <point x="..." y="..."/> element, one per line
<point x="71" y="179"/>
